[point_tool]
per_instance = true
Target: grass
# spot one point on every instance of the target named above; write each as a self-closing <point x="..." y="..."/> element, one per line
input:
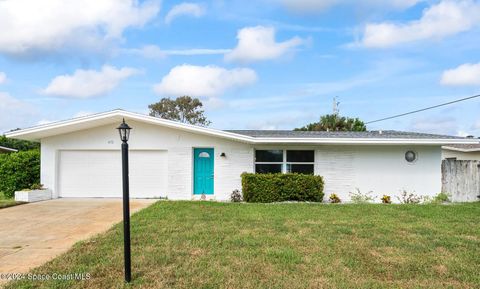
<point x="218" y="245"/>
<point x="8" y="202"/>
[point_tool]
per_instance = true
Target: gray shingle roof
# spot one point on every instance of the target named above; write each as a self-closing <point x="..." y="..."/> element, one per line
<point x="386" y="134"/>
<point x="467" y="147"/>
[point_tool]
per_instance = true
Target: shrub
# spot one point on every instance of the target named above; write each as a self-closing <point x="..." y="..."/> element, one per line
<point x="37" y="187"/>
<point x="386" y="199"/>
<point x="334" y="199"/>
<point x="406" y="198"/>
<point x="267" y="188"/>
<point x="441" y="198"/>
<point x="360" y="198"/>
<point x="236" y="196"/>
<point x="19" y="171"/>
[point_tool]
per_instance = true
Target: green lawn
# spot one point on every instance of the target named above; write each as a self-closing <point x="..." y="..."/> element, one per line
<point x="218" y="245"/>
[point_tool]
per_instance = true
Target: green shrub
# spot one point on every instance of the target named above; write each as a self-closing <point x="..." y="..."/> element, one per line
<point x="19" y="171"/>
<point x="441" y="198"/>
<point x="267" y="188"/>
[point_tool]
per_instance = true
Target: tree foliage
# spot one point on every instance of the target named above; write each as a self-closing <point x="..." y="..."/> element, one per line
<point x="19" y="171"/>
<point x="184" y="109"/>
<point x="21" y="145"/>
<point x="334" y="122"/>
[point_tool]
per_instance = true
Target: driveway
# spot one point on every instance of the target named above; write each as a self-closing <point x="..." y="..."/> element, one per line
<point x="32" y="234"/>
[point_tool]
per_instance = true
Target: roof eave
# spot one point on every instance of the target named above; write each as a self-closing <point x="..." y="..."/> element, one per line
<point x="367" y="141"/>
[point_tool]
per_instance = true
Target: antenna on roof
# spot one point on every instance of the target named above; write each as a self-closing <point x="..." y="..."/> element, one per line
<point x="336" y="106"/>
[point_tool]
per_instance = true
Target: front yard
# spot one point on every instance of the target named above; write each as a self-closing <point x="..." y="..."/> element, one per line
<point x="218" y="245"/>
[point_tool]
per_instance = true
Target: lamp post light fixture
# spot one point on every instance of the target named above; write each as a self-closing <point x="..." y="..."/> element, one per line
<point x="124" y="131"/>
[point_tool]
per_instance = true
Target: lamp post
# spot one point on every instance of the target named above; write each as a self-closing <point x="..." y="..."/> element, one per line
<point x="124" y="131"/>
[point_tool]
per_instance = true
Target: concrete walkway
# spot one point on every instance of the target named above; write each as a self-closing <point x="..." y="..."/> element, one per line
<point x="32" y="234"/>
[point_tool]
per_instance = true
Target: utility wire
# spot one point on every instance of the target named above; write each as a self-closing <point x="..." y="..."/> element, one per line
<point x="423" y="109"/>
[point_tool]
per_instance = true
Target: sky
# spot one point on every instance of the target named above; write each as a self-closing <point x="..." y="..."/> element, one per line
<point x="265" y="64"/>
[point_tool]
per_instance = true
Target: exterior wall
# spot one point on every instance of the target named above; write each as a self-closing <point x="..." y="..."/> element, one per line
<point x="179" y="144"/>
<point x="461" y="156"/>
<point x="380" y="169"/>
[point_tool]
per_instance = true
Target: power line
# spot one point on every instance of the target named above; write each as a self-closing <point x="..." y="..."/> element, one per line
<point x="423" y="109"/>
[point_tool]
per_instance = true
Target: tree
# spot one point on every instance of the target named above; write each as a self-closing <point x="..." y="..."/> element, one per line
<point x="184" y="109"/>
<point x="21" y="145"/>
<point x="334" y="122"/>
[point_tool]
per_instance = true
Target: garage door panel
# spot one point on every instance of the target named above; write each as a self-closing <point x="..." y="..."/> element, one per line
<point x="98" y="174"/>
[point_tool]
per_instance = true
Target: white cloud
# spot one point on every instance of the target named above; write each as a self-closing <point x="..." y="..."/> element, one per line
<point x="29" y="27"/>
<point x="3" y="77"/>
<point x="315" y="6"/>
<point x="88" y="83"/>
<point x="203" y="81"/>
<point x="465" y="74"/>
<point x="258" y="43"/>
<point x="155" y="52"/>
<point x="15" y="113"/>
<point x="185" y="9"/>
<point x="438" y="21"/>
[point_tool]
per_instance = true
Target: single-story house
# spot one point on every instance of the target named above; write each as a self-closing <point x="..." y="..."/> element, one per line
<point x="5" y="150"/>
<point x="462" y="152"/>
<point x="81" y="157"/>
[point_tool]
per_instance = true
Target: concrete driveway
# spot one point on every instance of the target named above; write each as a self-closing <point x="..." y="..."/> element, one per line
<point x="32" y="234"/>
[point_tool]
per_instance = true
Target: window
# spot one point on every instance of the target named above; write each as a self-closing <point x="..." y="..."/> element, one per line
<point x="268" y="161"/>
<point x="287" y="161"/>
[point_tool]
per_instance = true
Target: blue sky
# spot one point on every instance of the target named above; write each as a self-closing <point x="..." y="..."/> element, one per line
<point x="266" y="64"/>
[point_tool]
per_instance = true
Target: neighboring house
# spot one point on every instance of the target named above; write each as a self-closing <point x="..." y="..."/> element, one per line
<point x="81" y="158"/>
<point x="462" y="151"/>
<point x="4" y="150"/>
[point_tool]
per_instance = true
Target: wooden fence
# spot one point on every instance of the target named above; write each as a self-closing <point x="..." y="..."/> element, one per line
<point x="461" y="180"/>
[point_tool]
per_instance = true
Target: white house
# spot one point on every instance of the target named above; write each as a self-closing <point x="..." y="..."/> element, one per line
<point x="81" y="157"/>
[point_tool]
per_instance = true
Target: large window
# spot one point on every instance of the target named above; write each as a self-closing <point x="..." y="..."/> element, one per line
<point x="286" y="161"/>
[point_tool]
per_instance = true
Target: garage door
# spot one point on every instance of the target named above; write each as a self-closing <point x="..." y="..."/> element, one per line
<point x="99" y="174"/>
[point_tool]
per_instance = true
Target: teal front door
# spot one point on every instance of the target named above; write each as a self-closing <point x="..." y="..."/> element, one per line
<point x="203" y="171"/>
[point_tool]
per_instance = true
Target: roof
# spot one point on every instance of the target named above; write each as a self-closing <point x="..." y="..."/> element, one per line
<point x="383" y="134"/>
<point x="467" y="148"/>
<point x="7" y="150"/>
<point x="36" y="133"/>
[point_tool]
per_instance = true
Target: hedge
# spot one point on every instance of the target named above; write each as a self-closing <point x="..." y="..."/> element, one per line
<point x="19" y="171"/>
<point x="267" y="188"/>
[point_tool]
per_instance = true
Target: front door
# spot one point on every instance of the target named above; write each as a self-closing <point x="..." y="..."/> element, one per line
<point x="203" y="171"/>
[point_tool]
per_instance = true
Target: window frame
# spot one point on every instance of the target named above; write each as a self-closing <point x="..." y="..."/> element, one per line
<point x="284" y="162"/>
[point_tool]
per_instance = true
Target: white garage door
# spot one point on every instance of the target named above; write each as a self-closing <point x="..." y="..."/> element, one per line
<point x="99" y="174"/>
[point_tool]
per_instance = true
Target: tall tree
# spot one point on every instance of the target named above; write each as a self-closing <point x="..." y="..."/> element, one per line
<point x="184" y="109"/>
<point x="334" y="122"/>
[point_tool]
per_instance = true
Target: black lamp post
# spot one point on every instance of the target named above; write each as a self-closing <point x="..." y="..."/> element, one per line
<point x="124" y="131"/>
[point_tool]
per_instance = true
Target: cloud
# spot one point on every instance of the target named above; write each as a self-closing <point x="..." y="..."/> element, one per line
<point x="88" y="83"/>
<point x="185" y="9"/>
<point x="465" y="74"/>
<point x="438" y="21"/>
<point x="3" y="77"/>
<point x="155" y="52"/>
<point x="258" y="43"/>
<point x="203" y="81"/>
<point x="15" y="113"/>
<point x="32" y="27"/>
<point x="316" y="6"/>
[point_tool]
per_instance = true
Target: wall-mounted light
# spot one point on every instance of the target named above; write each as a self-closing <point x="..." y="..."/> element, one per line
<point x="223" y="155"/>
